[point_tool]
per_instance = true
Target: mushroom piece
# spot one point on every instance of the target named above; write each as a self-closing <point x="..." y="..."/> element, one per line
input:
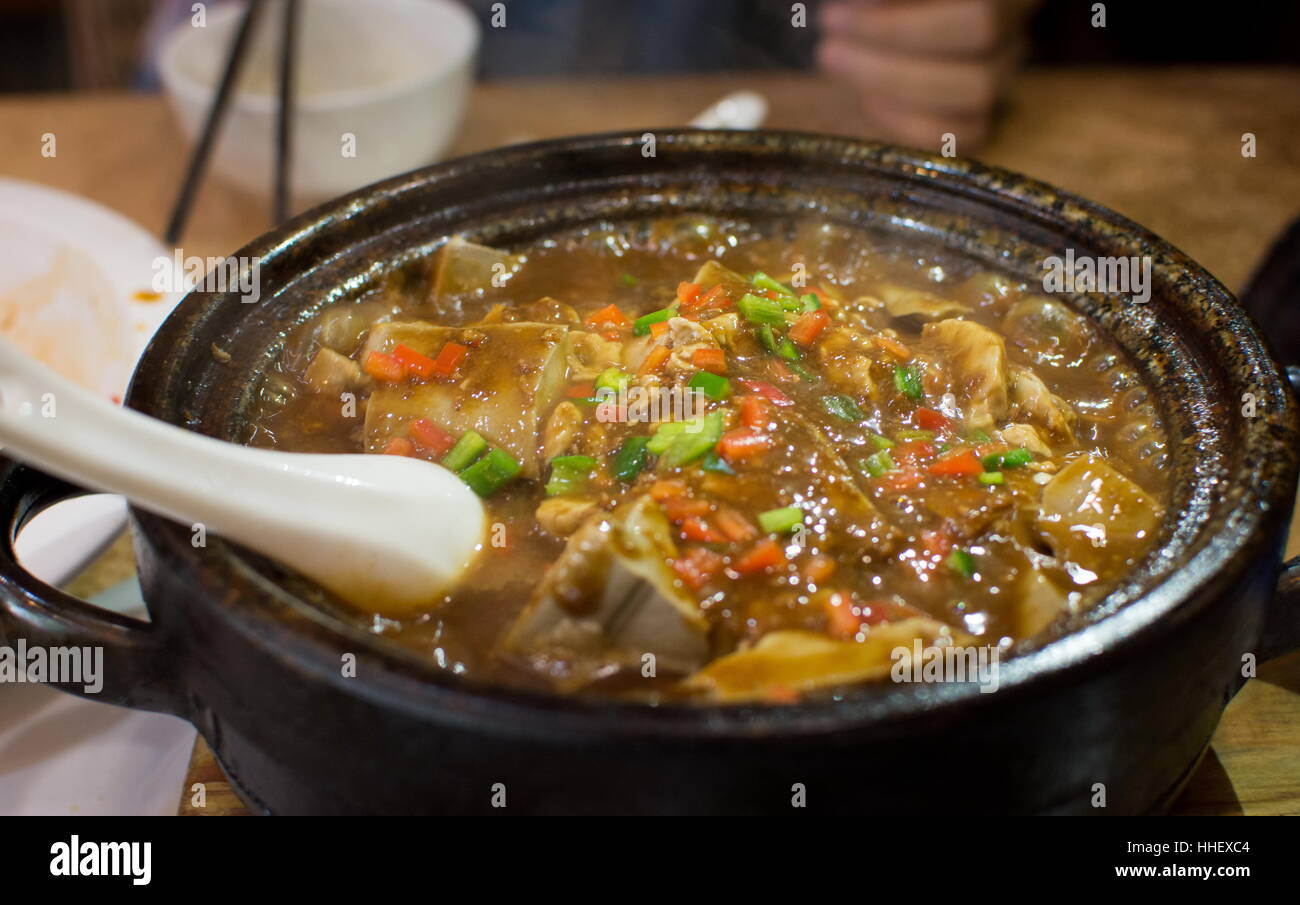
<point x="844" y="353"/>
<point x="900" y="302"/>
<point x="561" y="516"/>
<point x="1027" y="436"/>
<point x="977" y="360"/>
<point x="561" y="429"/>
<point x="332" y="372"/>
<point x="610" y="600"/>
<point x="589" y="354"/>
<point x="1031" y="400"/>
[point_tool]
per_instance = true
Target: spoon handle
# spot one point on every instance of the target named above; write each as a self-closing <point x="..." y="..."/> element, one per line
<point x="366" y="526"/>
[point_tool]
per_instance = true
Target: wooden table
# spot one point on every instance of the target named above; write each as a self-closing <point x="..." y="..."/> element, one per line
<point x="1162" y="146"/>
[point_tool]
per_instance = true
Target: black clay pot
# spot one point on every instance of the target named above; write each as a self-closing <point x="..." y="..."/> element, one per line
<point x="1126" y="702"/>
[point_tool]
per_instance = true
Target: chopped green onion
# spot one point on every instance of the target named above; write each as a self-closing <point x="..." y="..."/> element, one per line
<point x="1012" y="458"/>
<point x="843" y="407"/>
<point x="810" y="302"/>
<point x="907" y="433"/>
<point x="763" y="281"/>
<point x="630" y="459"/>
<point x="758" y="310"/>
<point x="612" y="379"/>
<point x="767" y="338"/>
<point x="881" y="442"/>
<point x="492" y="472"/>
<point x="715" y="463"/>
<point x="468" y="448"/>
<point x="801" y="372"/>
<point x="628" y="280"/>
<point x="713" y="385"/>
<point x="980" y="437"/>
<point x="641" y="326"/>
<point x="686" y="447"/>
<point x="992" y="477"/>
<point x="664" y="435"/>
<point x="962" y="563"/>
<point x="569" y="474"/>
<point x="787" y="350"/>
<point x="779" y="521"/>
<point x="908" y="382"/>
<point x="878" y="463"/>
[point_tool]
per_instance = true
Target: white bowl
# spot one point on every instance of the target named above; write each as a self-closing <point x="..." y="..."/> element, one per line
<point x="385" y="80"/>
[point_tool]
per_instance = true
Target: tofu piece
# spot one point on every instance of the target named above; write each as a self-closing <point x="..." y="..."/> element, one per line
<point x="504" y="387"/>
<point x="610" y="599"/>
<point x="465" y="267"/>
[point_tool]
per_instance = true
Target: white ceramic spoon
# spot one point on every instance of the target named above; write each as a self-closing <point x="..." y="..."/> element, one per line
<point x="738" y="110"/>
<point x="387" y="533"/>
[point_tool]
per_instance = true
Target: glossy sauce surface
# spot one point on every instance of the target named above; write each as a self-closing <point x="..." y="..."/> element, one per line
<point x="966" y="460"/>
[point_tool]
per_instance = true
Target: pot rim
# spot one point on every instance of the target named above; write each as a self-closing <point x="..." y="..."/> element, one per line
<point x="402" y="679"/>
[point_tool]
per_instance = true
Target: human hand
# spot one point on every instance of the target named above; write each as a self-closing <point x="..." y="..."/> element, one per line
<point x="925" y="67"/>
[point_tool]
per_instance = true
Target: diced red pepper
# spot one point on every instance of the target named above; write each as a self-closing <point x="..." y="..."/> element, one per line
<point x="962" y="465"/>
<point x="659" y="329"/>
<point x="665" y="489"/>
<point x="611" y="316"/>
<point x="929" y="420"/>
<point x="382" y="366"/>
<point x="431" y="436"/>
<point x="449" y="359"/>
<point x="877" y="612"/>
<point x="680" y="508"/>
<point x="754" y="412"/>
<point x="698" y="567"/>
<point x="581" y="390"/>
<point x="654" y="360"/>
<point x="413" y="361"/>
<point x="805" y="330"/>
<point x="399" y="446"/>
<point x="696" y="528"/>
<point x="764" y="555"/>
<point x="766" y="390"/>
<point x="713" y="298"/>
<point x="711" y="360"/>
<point x="898" y="481"/>
<point x="843" y="618"/>
<point x="687" y="293"/>
<point x="741" y="444"/>
<point x="893" y="347"/>
<point x="937" y="544"/>
<point x="912" y="452"/>
<point x="737" y="528"/>
<point x="780" y="370"/>
<point x="818" y="569"/>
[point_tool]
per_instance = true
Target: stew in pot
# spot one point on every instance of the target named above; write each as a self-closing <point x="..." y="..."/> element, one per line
<point x="731" y="461"/>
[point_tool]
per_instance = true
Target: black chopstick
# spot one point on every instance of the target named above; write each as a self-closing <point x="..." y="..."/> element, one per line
<point x="203" y="149"/>
<point x="284" y="127"/>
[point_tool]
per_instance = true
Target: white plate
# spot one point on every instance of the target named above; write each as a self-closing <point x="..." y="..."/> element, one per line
<point x="76" y="290"/>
